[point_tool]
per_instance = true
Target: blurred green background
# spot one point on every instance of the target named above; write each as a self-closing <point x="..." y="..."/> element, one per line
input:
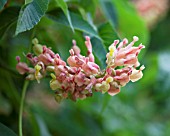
<point x="141" y="108"/>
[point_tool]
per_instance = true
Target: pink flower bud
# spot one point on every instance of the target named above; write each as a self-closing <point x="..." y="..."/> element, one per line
<point x="89" y="49"/>
<point x="21" y="67"/>
<point x="76" y="48"/>
<point x="90" y="68"/>
<point x="123" y="79"/>
<point x="113" y="90"/>
<point x="131" y="60"/>
<point x="74" y="61"/>
<point x="123" y="70"/>
<point x="58" y="60"/>
<point x="46" y="59"/>
<point x="48" y="51"/>
<point x="79" y="79"/>
<point x="18" y="58"/>
<point x="136" y="74"/>
<point x="33" y="60"/>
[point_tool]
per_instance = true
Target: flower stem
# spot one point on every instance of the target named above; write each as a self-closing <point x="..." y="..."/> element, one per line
<point x="21" y="106"/>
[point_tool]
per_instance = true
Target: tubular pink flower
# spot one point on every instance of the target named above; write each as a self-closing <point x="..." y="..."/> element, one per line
<point x="90" y="68"/>
<point x="75" y="48"/>
<point x="21" y="67"/>
<point x="46" y="58"/>
<point x="75" y="61"/>
<point x="48" y="51"/>
<point x="82" y="76"/>
<point x="113" y="90"/>
<point x="79" y="78"/>
<point x="33" y="60"/>
<point x="89" y="49"/>
<point x="58" y="60"/>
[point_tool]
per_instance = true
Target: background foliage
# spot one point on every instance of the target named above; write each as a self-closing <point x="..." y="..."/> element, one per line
<point x="141" y="108"/>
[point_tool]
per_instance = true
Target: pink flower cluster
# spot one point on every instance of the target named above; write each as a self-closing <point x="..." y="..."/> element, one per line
<point x="82" y="76"/>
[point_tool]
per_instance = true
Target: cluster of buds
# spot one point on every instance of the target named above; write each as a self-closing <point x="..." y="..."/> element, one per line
<point x="82" y="76"/>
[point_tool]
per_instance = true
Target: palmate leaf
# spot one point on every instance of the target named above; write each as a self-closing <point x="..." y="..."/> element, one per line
<point x="2" y="3"/>
<point x="77" y="21"/>
<point x="30" y="15"/>
<point x="64" y="7"/>
<point x="8" y="17"/>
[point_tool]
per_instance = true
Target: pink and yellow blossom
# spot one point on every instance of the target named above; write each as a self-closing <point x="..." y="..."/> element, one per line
<point x="82" y="76"/>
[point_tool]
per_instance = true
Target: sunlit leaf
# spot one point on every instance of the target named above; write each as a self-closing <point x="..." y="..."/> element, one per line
<point x="64" y="7"/>
<point x="28" y="1"/>
<point x="31" y="14"/>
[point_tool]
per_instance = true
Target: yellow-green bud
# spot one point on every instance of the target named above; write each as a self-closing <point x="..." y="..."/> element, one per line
<point x="58" y="98"/>
<point x="50" y="68"/>
<point x="37" y="48"/>
<point x="35" y="41"/>
<point x="54" y="84"/>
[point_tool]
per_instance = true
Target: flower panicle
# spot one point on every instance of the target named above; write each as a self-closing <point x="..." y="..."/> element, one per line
<point x="82" y="76"/>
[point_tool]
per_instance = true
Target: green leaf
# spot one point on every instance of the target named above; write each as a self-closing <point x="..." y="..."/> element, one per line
<point x="8" y="17"/>
<point x="5" y="131"/>
<point x="110" y="12"/>
<point x="108" y="34"/>
<point x="34" y="123"/>
<point x="77" y="21"/>
<point x="89" y="8"/>
<point x="30" y="15"/>
<point x="64" y="7"/>
<point x="2" y="3"/>
<point x="99" y="51"/>
<point x="42" y="126"/>
<point x="129" y="22"/>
